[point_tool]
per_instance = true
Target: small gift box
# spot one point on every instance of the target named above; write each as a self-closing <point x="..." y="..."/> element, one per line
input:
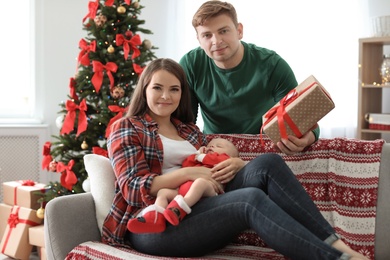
<point x="15" y="242"/>
<point x="298" y="111"/>
<point x="36" y="236"/>
<point x="4" y="214"/>
<point x="23" y="193"/>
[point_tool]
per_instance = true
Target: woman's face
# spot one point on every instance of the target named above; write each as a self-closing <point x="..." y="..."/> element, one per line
<point x="163" y="94"/>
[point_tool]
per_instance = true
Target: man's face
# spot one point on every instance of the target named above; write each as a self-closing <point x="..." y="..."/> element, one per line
<point x="220" y="39"/>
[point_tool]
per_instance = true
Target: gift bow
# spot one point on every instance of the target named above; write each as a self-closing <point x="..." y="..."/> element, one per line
<point x="282" y="116"/>
<point x="137" y="68"/>
<point x="72" y="87"/>
<point x="47" y="158"/>
<point x="99" y="151"/>
<point x="27" y="183"/>
<point x="68" y="125"/>
<point x="86" y="48"/>
<point x="92" y="9"/>
<point x="111" y="2"/>
<point x="68" y="177"/>
<point x="120" y="111"/>
<point x="97" y="78"/>
<point x="129" y="45"/>
<point x="13" y="221"/>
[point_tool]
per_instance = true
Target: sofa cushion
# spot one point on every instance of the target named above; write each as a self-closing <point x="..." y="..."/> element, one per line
<point x="102" y="181"/>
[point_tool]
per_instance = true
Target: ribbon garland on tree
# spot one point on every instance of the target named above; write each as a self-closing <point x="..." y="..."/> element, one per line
<point x="47" y="158"/>
<point x="69" y="120"/>
<point x="86" y="48"/>
<point x="72" y="87"/>
<point x="92" y="10"/>
<point x="129" y="45"/>
<point x="111" y="2"/>
<point x="68" y="177"/>
<point x="115" y="109"/>
<point x="98" y="68"/>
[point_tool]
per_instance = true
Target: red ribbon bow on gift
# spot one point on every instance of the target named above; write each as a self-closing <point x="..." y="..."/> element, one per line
<point x="72" y="87"/>
<point x="68" y="177"/>
<point x="129" y="45"/>
<point x="282" y="116"/>
<point x="27" y="183"/>
<point x="13" y="220"/>
<point x="68" y="125"/>
<point x="120" y="111"/>
<point x="99" y="151"/>
<point x="86" y="48"/>
<point x="47" y="158"/>
<point x="111" y="2"/>
<point x="97" y="78"/>
<point x="92" y="9"/>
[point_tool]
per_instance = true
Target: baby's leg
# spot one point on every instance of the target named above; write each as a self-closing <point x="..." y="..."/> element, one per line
<point x="164" y="196"/>
<point x="200" y="188"/>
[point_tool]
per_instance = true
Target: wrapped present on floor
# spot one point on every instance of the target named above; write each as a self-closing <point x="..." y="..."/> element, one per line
<point x="15" y="241"/>
<point x="36" y="238"/>
<point x="23" y="193"/>
<point x="4" y="214"/>
<point x="298" y="112"/>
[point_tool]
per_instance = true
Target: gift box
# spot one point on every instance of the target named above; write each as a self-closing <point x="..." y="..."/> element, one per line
<point x="4" y="214"/>
<point x="15" y="242"/>
<point x="378" y="121"/>
<point x="22" y="193"/>
<point x="298" y="112"/>
<point x="36" y="236"/>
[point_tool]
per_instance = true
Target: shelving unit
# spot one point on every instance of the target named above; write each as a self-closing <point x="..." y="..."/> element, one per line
<point x="370" y="87"/>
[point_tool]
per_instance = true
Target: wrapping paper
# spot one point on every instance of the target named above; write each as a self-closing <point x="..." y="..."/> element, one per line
<point x="15" y="242"/>
<point x="22" y="193"/>
<point x="298" y="112"/>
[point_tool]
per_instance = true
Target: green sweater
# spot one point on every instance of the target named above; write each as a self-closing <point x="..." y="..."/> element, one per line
<point x="234" y="100"/>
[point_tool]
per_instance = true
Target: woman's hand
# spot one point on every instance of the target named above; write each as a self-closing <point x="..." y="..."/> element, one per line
<point x="225" y="171"/>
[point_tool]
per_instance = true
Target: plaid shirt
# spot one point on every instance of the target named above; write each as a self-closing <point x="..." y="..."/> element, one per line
<point x="136" y="153"/>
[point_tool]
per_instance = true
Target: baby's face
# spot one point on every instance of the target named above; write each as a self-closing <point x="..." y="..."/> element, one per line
<point x="219" y="145"/>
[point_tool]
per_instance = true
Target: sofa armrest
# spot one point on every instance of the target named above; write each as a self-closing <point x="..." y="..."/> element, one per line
<point x="382" y="226"/>
<point x="69" y="221"/>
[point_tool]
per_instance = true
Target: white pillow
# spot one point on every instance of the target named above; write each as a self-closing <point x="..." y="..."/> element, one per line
<point x="102" y="182"/>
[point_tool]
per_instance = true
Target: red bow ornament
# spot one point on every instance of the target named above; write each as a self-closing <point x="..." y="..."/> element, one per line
<point x="69" y="120"/>
<point x="47" y="158"/>
<point x="99" y="151"/>
<point x="115" y="109"/>
<point x="86" y="48"/>
<point x="72" y="89"/>
<point x="98" y="68"/>
<point x="68" y="177"/>
<point x="129" y="45"/>
<point x="138" y="69"/>
<point x="92" y="10"/>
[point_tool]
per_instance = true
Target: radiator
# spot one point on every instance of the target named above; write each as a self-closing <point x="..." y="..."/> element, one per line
<point x="21" y="154"/>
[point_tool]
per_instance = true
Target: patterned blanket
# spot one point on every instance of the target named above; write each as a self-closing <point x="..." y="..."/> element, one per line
<point x="340" y="175"/>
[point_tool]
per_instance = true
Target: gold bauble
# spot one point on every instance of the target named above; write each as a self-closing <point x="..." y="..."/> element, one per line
<point x="110" y="49"/>
<point x="121" y="9"/>
<point x="84" y="145"/>
<point x="136" y="5"/>
<point x="41" y="213"/>
<point x="147" y="44"/>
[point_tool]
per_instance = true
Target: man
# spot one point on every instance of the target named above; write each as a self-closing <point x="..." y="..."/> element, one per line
<point x="234" y="82"/>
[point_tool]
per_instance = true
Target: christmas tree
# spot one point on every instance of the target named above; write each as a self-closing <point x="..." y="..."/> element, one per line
<point x="110" y="61"/>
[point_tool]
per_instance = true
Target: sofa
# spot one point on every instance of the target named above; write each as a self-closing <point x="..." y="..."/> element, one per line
<point x="348" y="179"/>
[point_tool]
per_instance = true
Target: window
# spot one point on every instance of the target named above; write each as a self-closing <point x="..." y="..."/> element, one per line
<point x="17" y="99"/>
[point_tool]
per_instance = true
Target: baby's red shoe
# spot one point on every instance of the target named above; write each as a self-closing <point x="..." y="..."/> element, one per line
<point x="177" y="209"/>
<point x="151" y="221"/>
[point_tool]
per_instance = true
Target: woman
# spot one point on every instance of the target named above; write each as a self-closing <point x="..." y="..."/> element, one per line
<point x="262" y="195"/>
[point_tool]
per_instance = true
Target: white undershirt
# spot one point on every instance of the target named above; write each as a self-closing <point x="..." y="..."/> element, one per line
<point x="175" y="152"/>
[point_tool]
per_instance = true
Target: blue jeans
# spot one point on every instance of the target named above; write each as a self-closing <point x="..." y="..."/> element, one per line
<point x="264" y="196"/>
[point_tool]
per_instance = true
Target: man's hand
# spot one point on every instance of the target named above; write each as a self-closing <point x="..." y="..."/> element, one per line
<point x="225" y="171"/>
<point x="293" y="144"/>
